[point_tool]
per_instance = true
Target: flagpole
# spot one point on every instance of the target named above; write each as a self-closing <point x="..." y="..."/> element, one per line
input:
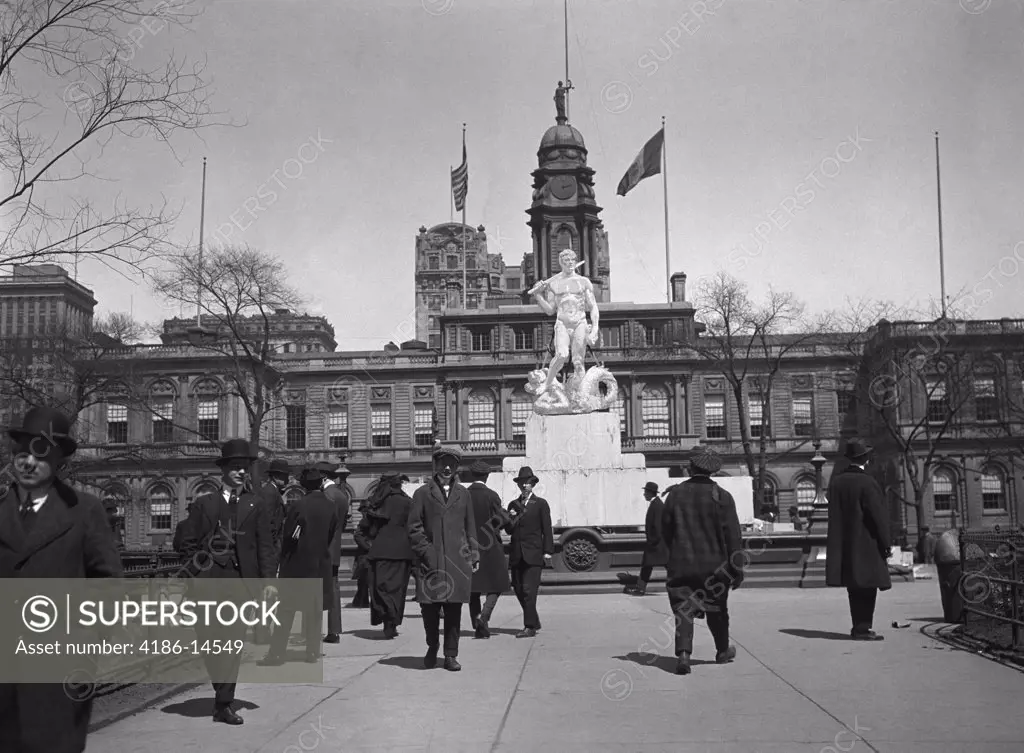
<point x="664" y="175"/>
<point x="451" y="195"/>
<point x="465" y="294"/>
<point x="568" y="84"/>
<point x="202" y="221"/>
<point x="942" y="261"/>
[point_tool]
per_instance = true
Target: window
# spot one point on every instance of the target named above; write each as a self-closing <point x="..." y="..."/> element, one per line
<point x="714" y="416"/>
<point x="294" y="494"/>
<point x="204" y="488"/>
<point x="470" y="262"/>
<point x="938" y="406"/>
<point x="986" y="407"/>
<point x="481" y="416"/>
<point x="803" y="415"/>
<point x="512" y="283"/>
<point x="522" y="407"/>
<point x="117" y="423"/>
<point x="770" y="502"/>
<point x="622" y="410"/>
<point x="609" y="337"/>
<point x="524" y="339"/>
<point x="163" y="421"/>
<point x="433" y="262"/>
<point x="654" y="409"/>
<point x="453" y="262"/>
<point x="943" y="491"/>
<point x="380" y="427"/>
<point x="337" y="428"/>
<point x="993" y="496"/>
<point x="434" y="341"/>
<point x="480" y="340"/>
<point x="209" y="419"/>
<point x="846" y="401"/>
<point x="295" y="427"/>
<point x="160" y="509"/>
<point x="653" y="335"/>
<point x="805" y="493"/>
<point x="755" y="411"/>
<point x="423" y="426"/>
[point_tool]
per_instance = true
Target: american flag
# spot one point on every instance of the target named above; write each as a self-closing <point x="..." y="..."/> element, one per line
<point x="460" y="180"/>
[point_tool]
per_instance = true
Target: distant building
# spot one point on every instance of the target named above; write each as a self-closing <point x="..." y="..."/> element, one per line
<point x="43" y="299"/>
<point x="289" y="332"/>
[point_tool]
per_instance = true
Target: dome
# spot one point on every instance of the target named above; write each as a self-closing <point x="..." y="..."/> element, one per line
<point x="562" y="135"/>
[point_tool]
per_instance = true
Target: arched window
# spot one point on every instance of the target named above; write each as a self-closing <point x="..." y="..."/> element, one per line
<point x="770" y="499"/>
<point x="522" y="407"/>
<point x="294" y="494"/>
<point x="204" y="487"/>
<point x="943" y="491"/>
<point x="481" y="416"/>
<point x="160" y="509"/>
<point x="993" y="489"/>
<point x="805" y="493"/>
<point x="654" y="405"/>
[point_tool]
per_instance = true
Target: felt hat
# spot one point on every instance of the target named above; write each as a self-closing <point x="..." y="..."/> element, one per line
<point x="329" y="470"/>
<point x="392" y="477"/>
<point x="705" y="461"/>
<point x="49" y="425"/>
<point x="237" y="449"/>
<point x="279" y="466"/>
<point x="441" y="451"/>
<point x="856" y="449"/>
<point x="480" y="468"/>
<point x="651" y="487"/>
<point x="526" y="476"/>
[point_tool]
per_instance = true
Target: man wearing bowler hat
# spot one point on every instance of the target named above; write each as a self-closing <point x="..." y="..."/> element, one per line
<point x="229" y="537"/>
<point x="655" y="551"/>
<point x="531" y="548"/>
<point x="278" y="475"/>
<point x="441" y="531"/>
<point x="332" y="594"/>
<point x="48" y="530"/>
<point x="859" y="546"/>
<point x="491" y="579"/>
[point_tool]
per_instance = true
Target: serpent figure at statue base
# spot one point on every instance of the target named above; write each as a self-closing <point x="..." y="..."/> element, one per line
<point x="577" y="395"/>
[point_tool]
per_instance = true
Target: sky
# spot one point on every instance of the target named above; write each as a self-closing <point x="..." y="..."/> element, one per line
<point x="799" y="142"/>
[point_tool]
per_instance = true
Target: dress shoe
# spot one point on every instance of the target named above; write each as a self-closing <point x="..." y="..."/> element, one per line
<point x="271" y="660"/>
<point x="683" y="663"/>
<point x="227" y="716"/>
<point x="390" y="632"/>
<point x="866" y="635"/>
<point x="724" y="657"/>
<point x="332" y="638"/>
<point x="526" y="633"/>
<point x="430" y="659"/>
<point x="482" y="631"/>
<point x="451" y="664"/>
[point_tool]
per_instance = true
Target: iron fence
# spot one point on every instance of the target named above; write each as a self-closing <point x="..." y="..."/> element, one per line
<point x="991" y="587"/>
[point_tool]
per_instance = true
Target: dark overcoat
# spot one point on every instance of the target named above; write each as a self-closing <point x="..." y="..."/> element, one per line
<point x="70" y="539"/>
<point x="655" y="551"/>
<point x="308" y="556"/>
<point x="248" y="542"/>
<point x="532" y="536"/>
<point x="276" y="508"/>
<point x="858" y="532"/>
<point x="384" y="531"/>
<point x="441" y="532"/>
<point x="341" y="500"/>
<point x="701" y="529"/>
<point x="491" y="518"/>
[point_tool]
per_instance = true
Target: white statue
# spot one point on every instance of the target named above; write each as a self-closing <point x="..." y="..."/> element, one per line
<point x="570" y="297"/>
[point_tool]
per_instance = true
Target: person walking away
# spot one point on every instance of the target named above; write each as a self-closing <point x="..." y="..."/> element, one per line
<point x="332" y="591"/>
<point x="858" y="546"/>
<point x="531" y="548"/>
<point x="491" y="579"/>
<point x="384" y="533"/>
<point x="305" y="553"/>
<point x="48" y="530"/>
<point x="655" y="551"/>
<point x="701" y="530"/>
<point x="441" y="529"/>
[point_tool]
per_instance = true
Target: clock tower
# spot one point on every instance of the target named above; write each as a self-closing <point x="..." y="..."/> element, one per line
<point x="564" y="213"/>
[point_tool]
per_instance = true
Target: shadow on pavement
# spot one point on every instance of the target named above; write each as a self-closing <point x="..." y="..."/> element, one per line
<point x="406" y="662"/>
<point x="371" y="634"/>
<point x="195" y="708"/>
<point x="664" y="663"/>
<point x="925" y="619"/>
<point x="820" y="634"/>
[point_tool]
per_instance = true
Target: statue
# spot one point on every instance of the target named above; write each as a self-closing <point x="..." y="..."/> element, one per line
<point x="570" y="297"/>
<point x="560" y="93"/>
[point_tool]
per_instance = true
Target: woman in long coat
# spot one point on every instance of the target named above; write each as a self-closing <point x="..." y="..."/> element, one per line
<point x="383" y="534"/>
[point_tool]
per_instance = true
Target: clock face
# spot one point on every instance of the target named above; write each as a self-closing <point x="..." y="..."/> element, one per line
<point x="563" y="187"/>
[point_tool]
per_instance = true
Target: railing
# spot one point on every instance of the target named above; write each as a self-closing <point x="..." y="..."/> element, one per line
<point x="951" y="327"/>
<point x="150" y="451"/>
<point x="991" y="587"/>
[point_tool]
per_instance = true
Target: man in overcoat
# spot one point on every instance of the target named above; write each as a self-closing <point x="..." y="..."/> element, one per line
<point x="228" y="537"/>
<point x="531" y="547"/>
<point x="858" y="546"/>
<point x="441" y="531"/>
<point x="305" y="553"/>
<point x="278" y="475"/>
<point x="339" y="497"/>
<point x="491" y="580"/>
<point x="655" y="551"/>
<point x="701" y="529"/>
<point x="48" y="530"/>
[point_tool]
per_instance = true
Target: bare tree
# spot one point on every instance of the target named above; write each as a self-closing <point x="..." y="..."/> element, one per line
<point x="94" y="90"/>
<point x="750" y="341"/>
<point x="237" y="290"/>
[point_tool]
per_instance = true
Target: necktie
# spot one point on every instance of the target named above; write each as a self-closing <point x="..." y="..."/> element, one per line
<point x="28" y="508"/>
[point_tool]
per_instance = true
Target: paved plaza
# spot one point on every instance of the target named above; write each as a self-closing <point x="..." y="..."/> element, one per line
<point x="589" y="681"/>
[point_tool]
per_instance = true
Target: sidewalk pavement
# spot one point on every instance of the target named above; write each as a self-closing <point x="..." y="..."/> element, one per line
<point x="592" y="680"/>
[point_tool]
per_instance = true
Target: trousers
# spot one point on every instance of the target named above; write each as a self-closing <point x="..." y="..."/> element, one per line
<point x="526" y="584"/>
<point x="687" y="599"/>
<point x="862" y="607"/>
<point x="333" y="594"/>
<point x="484" y="612"/>
<point x="452" y="625"/>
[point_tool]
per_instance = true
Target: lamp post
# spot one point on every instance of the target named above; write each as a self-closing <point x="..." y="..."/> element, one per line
<point x="819" y="515"/>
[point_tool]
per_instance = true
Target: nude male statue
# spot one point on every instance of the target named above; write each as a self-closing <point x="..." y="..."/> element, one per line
<point x="570" y="297"/>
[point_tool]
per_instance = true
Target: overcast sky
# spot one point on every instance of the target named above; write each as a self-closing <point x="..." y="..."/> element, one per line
<point x="799" y="138"/>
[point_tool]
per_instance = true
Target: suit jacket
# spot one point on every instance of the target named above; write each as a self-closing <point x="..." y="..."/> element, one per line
<point x="532" y="536"/>
<point x="384" y="531"/>
<point x="248" y="543"/>
<point x="655" y="551"/>
<point x="701" y="529"/>
<point x="275" y="506"/>
<point x="441" y="534"/>
<point x="491" y="518"/>
<point x="309" y="556"/>
<point x="341" y="500"/>
<point x="858" y="532"/>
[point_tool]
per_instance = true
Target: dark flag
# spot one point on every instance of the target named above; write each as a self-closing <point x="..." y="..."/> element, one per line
<point x="460" y="180"/>
<point x="646" y="164"/>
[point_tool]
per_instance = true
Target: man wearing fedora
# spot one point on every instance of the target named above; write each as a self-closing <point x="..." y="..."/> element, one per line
<point x="332" y="593"/>
<point x="655" y="551"/>
<point x="859" y="546"/>
<point x="441" y="532"/>
<point x="701" y="529"/>
<point x="531" y="548"/>
<point x="305" y="553"/>
<point x="491" y="579"/>
<point x="229" y="536"/>
<point x="278" y="475"/>
<point x="48" y="530"/>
